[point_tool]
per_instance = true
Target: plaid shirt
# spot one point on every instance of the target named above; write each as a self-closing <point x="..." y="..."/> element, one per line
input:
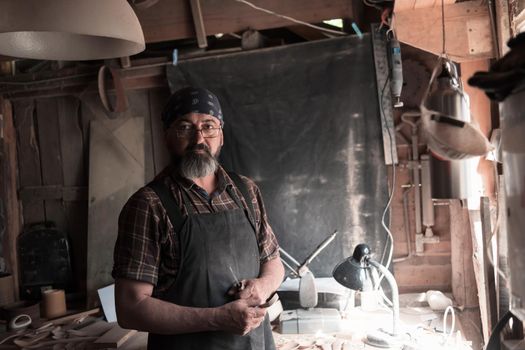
<point x="147" y="248"/>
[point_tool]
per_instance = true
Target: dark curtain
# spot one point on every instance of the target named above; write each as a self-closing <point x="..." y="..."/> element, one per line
<point x="303" y="121"/>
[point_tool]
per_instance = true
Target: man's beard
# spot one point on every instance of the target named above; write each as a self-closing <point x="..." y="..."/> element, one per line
<point x="194" y="165"/>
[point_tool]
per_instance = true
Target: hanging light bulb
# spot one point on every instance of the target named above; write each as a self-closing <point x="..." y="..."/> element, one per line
<point x="69" y="29"/>
<point x="445" y="113"/>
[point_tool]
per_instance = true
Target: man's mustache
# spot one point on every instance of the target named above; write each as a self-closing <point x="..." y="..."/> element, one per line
<point x="198" y="147"/>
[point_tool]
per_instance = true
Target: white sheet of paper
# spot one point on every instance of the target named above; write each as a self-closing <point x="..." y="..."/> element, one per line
<point x="107" y="299"/>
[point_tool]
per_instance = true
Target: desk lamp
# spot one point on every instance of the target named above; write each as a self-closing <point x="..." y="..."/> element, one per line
<point x="359" y="272"/>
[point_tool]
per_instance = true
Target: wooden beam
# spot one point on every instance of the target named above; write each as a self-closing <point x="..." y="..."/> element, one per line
<point x="8" y="181"/>
<point x="467" y="30"/>
<point x="198" y="22"/>
<point x="171" y="20"/>
<point x="503" y="25"/>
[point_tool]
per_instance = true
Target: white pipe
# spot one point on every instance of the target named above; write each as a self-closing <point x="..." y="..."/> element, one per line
<point x="426" y="192"/>
<point x="395" y="294"/>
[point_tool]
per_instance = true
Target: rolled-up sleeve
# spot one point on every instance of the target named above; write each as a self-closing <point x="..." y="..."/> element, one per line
<point x="268" y="245"/>
<point x="137" y="249"/>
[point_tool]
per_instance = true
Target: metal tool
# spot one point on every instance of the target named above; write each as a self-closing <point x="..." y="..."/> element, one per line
<point x="302" y="269"/>
<point x="307" y="288"/>
<point x="271" y="300"/>
<point x="237" y="283"/>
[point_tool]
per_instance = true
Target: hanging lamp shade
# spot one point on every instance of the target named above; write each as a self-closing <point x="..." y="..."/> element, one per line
<point x="445" y="111"/>
<point x="69" y="30"/>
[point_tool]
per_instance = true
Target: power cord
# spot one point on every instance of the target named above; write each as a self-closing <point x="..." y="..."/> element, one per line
<point x="291" y="19"/>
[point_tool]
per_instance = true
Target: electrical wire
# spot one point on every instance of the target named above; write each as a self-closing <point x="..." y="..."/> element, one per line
<point x="391" y="194"/>
<point x="389" y="202"/>
<point x="443" y="25"/>
<point x="448" y="310"/>
<point x="291" y="19"/>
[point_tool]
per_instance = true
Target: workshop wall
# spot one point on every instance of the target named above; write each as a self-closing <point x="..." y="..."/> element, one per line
<point x="53" y="152"/>
<point x="53" y="155"/>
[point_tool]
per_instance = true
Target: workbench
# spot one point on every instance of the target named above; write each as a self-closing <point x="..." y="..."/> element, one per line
<point x="421" y="327"/>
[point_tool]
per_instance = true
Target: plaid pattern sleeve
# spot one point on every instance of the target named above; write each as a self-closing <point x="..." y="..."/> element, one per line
<point x="140" y="230"/>
<point x="268" y="246"/>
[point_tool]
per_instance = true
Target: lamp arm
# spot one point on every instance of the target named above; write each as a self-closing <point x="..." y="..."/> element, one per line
<point x="395" y="293"/>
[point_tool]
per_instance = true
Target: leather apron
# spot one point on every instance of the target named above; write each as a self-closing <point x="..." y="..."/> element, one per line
<point x="210" y="244"/>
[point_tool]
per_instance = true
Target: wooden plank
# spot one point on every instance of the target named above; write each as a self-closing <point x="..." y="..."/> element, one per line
<point x="139" y="341"/>
<point x="8" y="178"/>
<point x="467" y="29"/>
<point x="75" y="316"/>
<point x="477" y="247"/>
<point x="139" y="107"/>
<point x="198" y="22"/>
<point x="425" y="3"/>
<point x="488" y="268"/>
<point x="170" y="20"/>
<point x="28" y="157"/>
<point x="157" y="100"/>
<point x="114" y="338"/>
<point x="49" y="192"/>
<point x="50" y="157"/>
<point x="74" y="159"/>
<point x="116" y="171"/>
<point x="72" y="143"/>
<point x="464" y="287"/>
<point x="424" y="276"/>
<point x="404" y="5"/>
<point x="503" y="25"/>
<point x="470" y="324"/>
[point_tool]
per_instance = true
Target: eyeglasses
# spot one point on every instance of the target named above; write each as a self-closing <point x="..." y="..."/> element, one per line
<point x="187" y="131"/>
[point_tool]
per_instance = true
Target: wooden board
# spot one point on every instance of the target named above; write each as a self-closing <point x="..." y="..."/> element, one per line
<point x="467" y="30"/>
<point x="488" y="269"/>
<point x="116" y="171"/>
<point x="139" y="341"/>
<point x="464" y="286"/>
<point x="170" y="20"/>
<point x="11" y="205"/>
<point x="50" y="156"/>
<point x="114" y="338"/>
<point x="73" y="148"/>
<point x="157" y="99"/>
<point x="477" y="247"/>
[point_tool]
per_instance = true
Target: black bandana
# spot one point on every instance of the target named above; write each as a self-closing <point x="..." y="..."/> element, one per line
<point x="191" y="100"/>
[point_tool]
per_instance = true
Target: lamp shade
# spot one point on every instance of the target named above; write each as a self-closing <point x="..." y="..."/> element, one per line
<point x="355" y="272"/>
<point x="447" y="122"/>
<point x="69" y="29"/>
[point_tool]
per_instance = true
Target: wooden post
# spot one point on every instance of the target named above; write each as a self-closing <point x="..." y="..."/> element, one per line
<point x="464" y="287"/>
<point x="8" y="189"/>
<point x="488" y="269"/>
<point x="198" y="22"/>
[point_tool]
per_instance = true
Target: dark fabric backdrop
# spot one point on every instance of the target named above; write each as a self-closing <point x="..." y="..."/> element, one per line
<point x="303" y="121"/>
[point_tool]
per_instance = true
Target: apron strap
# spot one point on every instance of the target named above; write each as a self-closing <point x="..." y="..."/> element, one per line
<point x="167" y="200"/>
<point x="241" y="186"/>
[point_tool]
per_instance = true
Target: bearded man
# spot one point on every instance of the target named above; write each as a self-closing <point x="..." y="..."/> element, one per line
<point x="195" y="257"/>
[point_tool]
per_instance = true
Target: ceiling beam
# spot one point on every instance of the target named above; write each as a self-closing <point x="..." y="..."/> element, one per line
<point x="172" y="20"/>
<point x="467" y="30"/>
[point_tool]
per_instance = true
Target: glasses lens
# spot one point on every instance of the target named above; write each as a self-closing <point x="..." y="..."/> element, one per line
<point x="210" y="132"/>
<point x="207" y="133"/>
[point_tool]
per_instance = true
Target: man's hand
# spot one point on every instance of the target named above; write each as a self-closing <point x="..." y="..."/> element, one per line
<point x="240" y="316"/>
<point x="253" y="291"/>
